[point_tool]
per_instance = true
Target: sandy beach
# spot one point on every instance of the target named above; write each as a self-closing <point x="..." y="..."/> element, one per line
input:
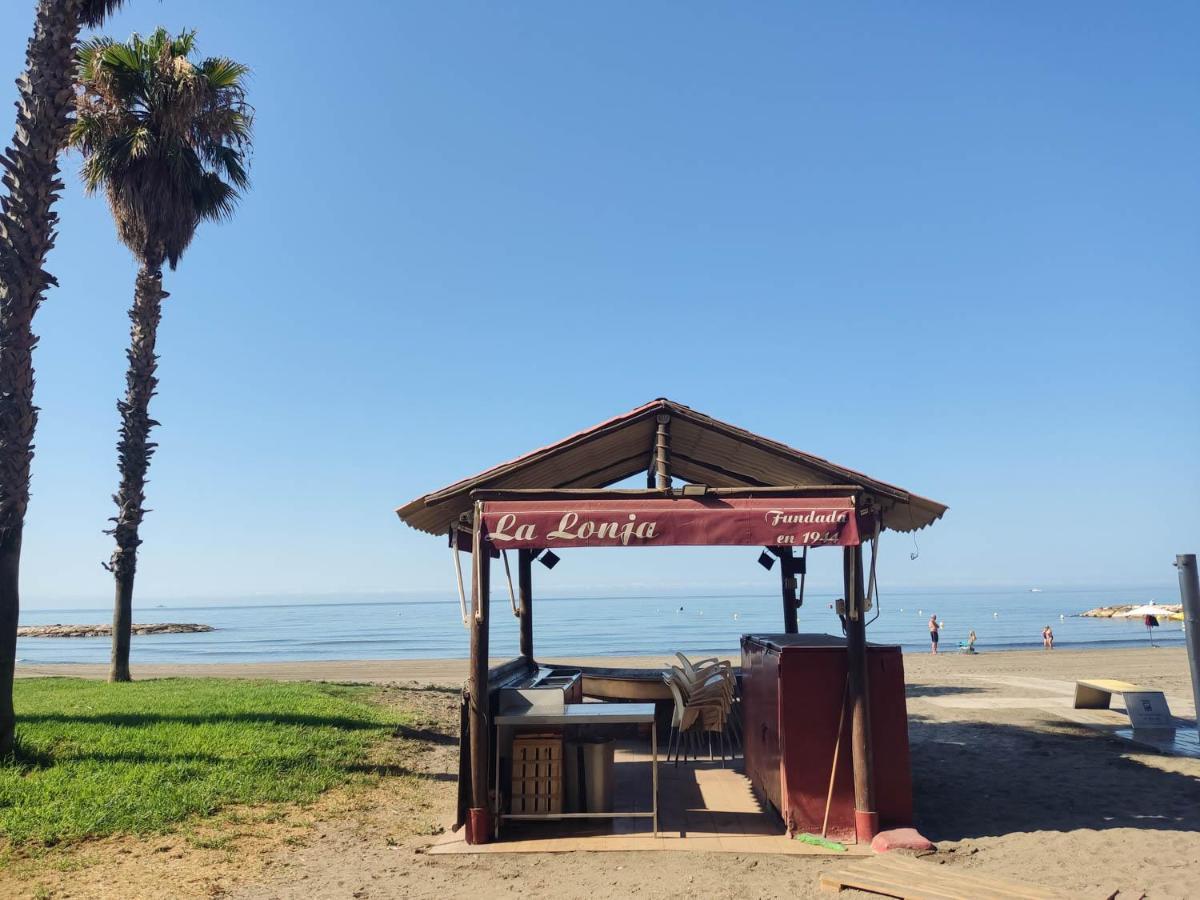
<point x="1008" y="780"/>
<point x="1161" y="668"/>
<point x="347" y="392"/>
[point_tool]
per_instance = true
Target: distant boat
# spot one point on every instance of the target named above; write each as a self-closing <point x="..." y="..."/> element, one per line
<point x="1035" y="590"/>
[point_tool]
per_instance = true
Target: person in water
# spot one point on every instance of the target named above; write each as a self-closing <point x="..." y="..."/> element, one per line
<point x="1048" y="638"/>
<point x="933" y="634"/>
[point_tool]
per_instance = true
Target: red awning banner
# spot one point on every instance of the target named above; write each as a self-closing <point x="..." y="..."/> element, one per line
<point x="685" y="521"/>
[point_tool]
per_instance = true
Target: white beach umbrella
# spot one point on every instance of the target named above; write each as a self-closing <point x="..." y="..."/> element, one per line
<point x="1146" y="610"/>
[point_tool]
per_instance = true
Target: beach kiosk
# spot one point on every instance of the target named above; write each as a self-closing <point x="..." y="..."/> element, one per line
<point x="707" y="483"/>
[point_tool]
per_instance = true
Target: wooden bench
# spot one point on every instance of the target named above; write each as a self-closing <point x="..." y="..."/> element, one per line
<point x="893" y="875"/>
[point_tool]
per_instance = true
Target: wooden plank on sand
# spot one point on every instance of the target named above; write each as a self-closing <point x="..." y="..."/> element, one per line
<point x="909" y="878"/>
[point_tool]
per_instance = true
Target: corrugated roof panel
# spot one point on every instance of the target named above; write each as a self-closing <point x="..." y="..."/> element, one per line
<point x="596" y="462"/>
<point x="703" y="449"/>
<point x="743" y="459"/>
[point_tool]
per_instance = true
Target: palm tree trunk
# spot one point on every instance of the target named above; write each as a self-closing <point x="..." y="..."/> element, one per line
<point x="134" y="450"/>
<point x="27" y="230"/>
<point x="10" y="566"/>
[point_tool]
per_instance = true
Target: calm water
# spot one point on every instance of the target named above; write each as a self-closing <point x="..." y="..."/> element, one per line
<point x="408" y="628"/>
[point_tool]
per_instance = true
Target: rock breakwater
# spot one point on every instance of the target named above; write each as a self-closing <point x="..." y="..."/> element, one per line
<point x="1107" y="612"/>
<point x="83" y="631"/>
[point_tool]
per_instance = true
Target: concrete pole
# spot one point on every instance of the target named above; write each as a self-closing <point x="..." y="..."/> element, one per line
<point x="1189" y="592"/>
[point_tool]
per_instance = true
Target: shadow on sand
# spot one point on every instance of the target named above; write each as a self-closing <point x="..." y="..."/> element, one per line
<point x="977" y="779"/>
<point x="428" y="735"/>
<point x="938" y="690"/>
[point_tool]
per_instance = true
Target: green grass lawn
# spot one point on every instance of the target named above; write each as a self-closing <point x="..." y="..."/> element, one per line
<point x="97" y="759"/>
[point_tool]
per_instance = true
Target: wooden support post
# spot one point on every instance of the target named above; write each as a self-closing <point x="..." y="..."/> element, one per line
<point x="787" y="577"/>
<point x="525" y="600"/>
<point x="662" y="452"/>
<point x="479" y="816"/>
<point x="803" y="574"/>
<point x="866" y="818"/>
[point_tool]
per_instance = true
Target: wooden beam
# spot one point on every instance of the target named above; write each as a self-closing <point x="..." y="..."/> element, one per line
<point x="866" y="818"/>
<point x="619" y="465"/>
<point x="479" y="819"/>
<point x="748" y="480"/>
<point x="893" y="875"/>
<point x="465" y="543"/>
<point x="662" y="452"/>
<point x="787" y="578"/>
<point x="525" y="600"/>
<point x="578" y="440"/>
<point x="782" y="491"/>
<point x="659" y="408"/>
<point x="803" y="563"/>
<point x="790" y="454"/>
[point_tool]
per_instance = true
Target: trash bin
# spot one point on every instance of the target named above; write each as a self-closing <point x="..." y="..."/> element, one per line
<point x="589" y="775"/>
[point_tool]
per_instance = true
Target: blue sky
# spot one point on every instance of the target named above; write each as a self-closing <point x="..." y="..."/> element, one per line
<point x="952" y="245"/>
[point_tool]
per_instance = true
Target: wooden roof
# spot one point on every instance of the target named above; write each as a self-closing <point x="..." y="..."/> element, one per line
<point x="703" y="450"/>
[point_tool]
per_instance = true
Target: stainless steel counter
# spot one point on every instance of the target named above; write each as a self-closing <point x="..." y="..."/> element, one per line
<point x="583" y="714"/>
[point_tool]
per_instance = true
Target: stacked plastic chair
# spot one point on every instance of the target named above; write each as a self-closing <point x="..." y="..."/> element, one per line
<point x="705" y="694"/>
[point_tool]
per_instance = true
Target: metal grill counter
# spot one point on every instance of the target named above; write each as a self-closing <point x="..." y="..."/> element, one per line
<point x="568" y="714"/>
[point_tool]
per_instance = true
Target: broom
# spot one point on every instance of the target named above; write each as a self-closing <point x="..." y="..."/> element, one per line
<point x="837" y="747"/>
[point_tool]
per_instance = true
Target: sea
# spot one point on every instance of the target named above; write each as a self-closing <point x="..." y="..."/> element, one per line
<point x="430" y="626"/>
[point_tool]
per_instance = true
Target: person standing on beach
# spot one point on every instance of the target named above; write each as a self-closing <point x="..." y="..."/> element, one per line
<point x="933" y="634"/>
<point x="971" y="641"/>
<point x="1047" y="638"/>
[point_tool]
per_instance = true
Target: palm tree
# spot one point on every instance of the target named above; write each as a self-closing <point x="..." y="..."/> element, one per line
<point x="30" y="175"/>
<point x="167" y="139"/>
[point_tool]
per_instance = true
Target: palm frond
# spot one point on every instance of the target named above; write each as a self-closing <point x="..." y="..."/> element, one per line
<point x="90" y="48"/>
<point x="229" y="161"/>
<point x="94" y="12"/>
<point x="167" y="138"/>
<point x="215" y="199"/>
<point x="123" y="57"/>
<point x="184" y="44"/>
<point x="223" y="72"/>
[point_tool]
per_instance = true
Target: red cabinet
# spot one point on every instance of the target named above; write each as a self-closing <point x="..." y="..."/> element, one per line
<point x="793" y="686"/>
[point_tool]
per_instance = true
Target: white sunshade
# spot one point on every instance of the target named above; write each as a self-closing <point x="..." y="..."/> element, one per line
<point x="1139" y="611"/>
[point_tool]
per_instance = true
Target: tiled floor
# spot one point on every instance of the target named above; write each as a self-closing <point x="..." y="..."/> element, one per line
<point x="1172" y="741"/>
<point x="702" y="806"/>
